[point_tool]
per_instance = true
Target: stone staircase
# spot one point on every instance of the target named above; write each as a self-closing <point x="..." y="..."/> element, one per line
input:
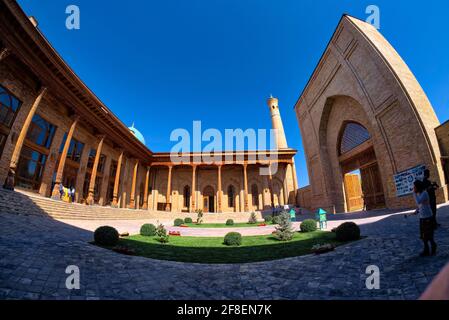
<point x="21" y="202"/>
<point x="27" y="203"/>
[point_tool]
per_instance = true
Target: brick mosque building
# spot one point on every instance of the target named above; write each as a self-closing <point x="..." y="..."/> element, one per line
<point x="362" y="110"/>
<point x="54" y="130"/>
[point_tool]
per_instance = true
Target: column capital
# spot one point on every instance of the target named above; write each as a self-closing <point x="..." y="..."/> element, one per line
<point x="100" y="136"/>
<point x="75" y="117"/>
<point x="4" y="53"/>
<point x="43" y="90"/>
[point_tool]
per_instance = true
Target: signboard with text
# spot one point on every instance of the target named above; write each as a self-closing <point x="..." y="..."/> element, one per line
<point x="405" y="179"/>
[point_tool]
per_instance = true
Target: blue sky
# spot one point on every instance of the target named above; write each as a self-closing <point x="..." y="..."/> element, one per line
<point x="165" y="64"/>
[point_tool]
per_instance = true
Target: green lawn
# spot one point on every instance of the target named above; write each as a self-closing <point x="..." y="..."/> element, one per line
<point x="223" y="225"/>
<point x="212" y="250"/>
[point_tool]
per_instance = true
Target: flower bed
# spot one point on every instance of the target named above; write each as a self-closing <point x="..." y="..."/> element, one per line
<point x="124" y="250"/>
<point x="323" y="248"/>
<point x="174" y="233"/>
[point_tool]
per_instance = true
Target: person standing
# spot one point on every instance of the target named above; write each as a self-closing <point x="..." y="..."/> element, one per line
<point x="61" y="191"/>
<point x="72" y="194"/>
<point x="431" y="187"/>
<point x="426" y="222"/>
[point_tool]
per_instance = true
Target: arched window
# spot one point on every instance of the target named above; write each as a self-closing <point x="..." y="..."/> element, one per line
<point x="8" y="107"/>
<point x="255" y="194"/>
<point x="186" y="194"/>
<point x="354" y="135"/>
<point x="231" y="196"/>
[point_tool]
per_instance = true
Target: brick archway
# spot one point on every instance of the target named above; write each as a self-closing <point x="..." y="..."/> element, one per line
<point x="361" y="78"/>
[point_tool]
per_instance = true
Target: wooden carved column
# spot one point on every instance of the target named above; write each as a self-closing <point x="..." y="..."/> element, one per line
<point x="117" y="181"/>
<point x="168" y="195"/>
<point x="93" y="177"/>
<point x="61" y="166"/>
<point x="132" y="201"/>
<point x="245" y="181"/>
<point x="10" y="179"/>
<point x="270" y="184"/>
<point x="193" y="193"/>
<point x="220" y="192"/>
<point x="145" y="193"/>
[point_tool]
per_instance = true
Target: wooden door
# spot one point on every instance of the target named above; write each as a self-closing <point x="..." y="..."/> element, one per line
<point x="372" y="187"/>
<point x="353" y="190"/>
<point x="206" y="204"/>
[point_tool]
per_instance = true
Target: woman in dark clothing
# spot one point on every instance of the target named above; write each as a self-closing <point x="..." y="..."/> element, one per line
<point x="426" y="222"/>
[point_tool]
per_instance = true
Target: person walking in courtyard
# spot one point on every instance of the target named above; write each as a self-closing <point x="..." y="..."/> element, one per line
<point x="61" y="191"/>
<point x="72" y="194"/>
<point x="426" y="222"/>
<point x="431" y="187"/>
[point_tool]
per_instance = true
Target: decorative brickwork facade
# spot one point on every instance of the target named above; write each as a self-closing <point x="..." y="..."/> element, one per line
<point x="361" y="84"/>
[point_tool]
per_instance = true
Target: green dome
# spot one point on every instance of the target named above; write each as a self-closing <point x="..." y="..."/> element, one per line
<point x="137" y="134"/>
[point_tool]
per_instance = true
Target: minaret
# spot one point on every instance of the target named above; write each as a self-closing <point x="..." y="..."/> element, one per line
<point x="281" y="141"/>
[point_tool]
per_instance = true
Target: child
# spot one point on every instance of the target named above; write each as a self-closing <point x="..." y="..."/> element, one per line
<point x="426" y="222"/>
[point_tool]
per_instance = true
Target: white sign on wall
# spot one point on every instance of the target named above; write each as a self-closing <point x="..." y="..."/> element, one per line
<point x="404" y="180"/>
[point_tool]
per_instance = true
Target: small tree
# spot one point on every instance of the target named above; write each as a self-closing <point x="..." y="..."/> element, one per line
<point x="161" y="234"/>
<point x="284" y="232"/>
<point x="199" y="218"/>
<point x="252" y="218"/>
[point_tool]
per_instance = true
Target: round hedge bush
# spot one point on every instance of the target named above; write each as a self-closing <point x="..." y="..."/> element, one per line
<point x="268" y="219"/>
<point x="106" y="236"/>
<point x="348" y="231"/>
<point x="148" y="230"/>
<point x="233" y="239"/>
<point x="178" y="222"/>
<point x="308" y="225"/>
<point x="188" y="220"/>
<point x="230" y="222"/>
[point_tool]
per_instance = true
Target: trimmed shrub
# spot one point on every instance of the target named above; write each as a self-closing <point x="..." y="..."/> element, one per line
<point x="284" y="232"/>
<point x="233" y="239"/>
<point x="106" y="236"/>
<point x="252" y="218"/>
<point x="230" y="222"/>
<point x="276" y="219"/>
<point x="148" y="230"/>
<point x="199" y="219"/>
<point x="178" y="222"/>
<point x="161" y="234"/>
<point x="348" y="231"/>
<point x="268" y="219"/>
<point x="308" y="225"/>
<point x="188" y="220"/>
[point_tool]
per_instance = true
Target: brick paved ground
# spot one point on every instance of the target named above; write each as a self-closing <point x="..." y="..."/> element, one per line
<point x="35" y="252"/>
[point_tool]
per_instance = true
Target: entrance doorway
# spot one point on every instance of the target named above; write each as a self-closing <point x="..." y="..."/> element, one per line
<point x="209" y="199"/>
<point x="361" y="176"/>
<point x="362" y="182"/>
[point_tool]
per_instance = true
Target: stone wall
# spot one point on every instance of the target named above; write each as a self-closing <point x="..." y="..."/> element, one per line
<point x="443" y="141"/>
<point x="305" y="198"/>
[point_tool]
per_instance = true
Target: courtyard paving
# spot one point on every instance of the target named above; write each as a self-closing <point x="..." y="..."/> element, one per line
<point x="35" y="252"/>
